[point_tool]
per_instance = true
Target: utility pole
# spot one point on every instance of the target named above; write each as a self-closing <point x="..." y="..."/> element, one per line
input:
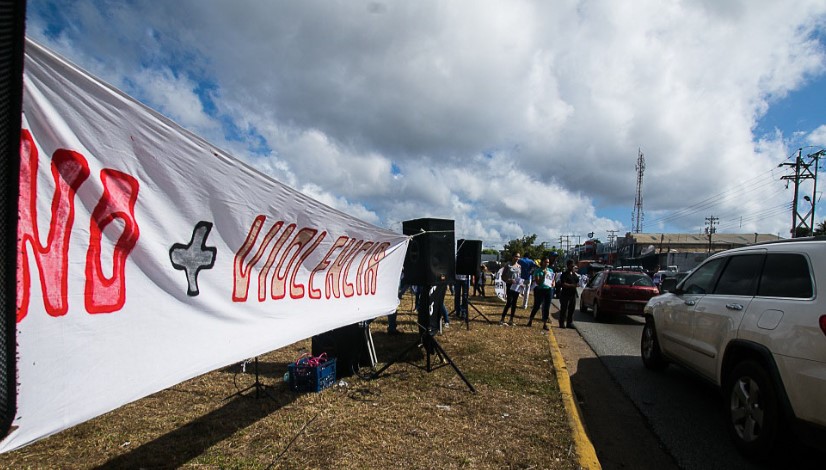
<point x="567" y="242"/>
<point x="612" y="235"/>
<point x="636" y="214"/>
<point x="710" y="230"/>
<point x="803" y="171"/>
<point x="612" y="246"/>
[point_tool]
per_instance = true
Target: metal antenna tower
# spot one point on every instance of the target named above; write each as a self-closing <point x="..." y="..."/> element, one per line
<point x="636" y="215"/>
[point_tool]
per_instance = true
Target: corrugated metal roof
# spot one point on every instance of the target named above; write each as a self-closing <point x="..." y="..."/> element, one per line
<point x="699" y="238"/>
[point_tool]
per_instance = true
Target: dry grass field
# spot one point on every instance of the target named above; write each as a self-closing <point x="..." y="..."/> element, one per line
<point x="406" y="418"/>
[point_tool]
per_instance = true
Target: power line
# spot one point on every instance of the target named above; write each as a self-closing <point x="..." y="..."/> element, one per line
<point x="753" y="184"/>
<point x="735" y="223"/>
<point x="736" y="216"/>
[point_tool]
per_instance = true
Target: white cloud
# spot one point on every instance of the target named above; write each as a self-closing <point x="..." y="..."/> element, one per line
<point x="817" y="137"/>
<point x="176" y="98"/>
<point x="510" y="117"/>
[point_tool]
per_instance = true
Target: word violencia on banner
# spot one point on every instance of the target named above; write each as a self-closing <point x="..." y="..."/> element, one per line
<point x="334" y="266"/>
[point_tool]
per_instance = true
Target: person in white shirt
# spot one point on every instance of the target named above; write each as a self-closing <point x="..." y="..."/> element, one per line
<point x="511" y="275"/>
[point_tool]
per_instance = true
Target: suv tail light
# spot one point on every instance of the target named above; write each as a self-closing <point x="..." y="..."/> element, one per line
<point x="823" y="324"/>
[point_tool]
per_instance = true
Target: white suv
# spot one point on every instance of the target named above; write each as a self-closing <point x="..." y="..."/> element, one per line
<point x="751" y="320"/>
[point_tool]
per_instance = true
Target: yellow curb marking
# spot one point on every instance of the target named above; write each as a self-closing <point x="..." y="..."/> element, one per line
<point x="586" y="454"/>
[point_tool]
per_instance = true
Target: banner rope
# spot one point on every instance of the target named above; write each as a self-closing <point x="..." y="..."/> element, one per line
<point x="422" y="232"/>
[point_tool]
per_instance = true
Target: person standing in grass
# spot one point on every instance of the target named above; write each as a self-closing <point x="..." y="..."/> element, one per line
<point x="511" y="278"/>
<point x="460" y="292"/>
<point x="543" y="277"/>
<point x="481" y="278"/>
<point x="527" y="266"/>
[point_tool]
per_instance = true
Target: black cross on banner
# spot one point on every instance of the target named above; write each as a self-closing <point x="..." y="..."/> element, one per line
<point x="195" y="256"/>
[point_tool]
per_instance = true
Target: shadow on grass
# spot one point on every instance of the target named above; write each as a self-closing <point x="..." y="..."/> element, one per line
<point x="191" y="440"/>
<point x="410" y="349"/>
<point x="389" y="347"/>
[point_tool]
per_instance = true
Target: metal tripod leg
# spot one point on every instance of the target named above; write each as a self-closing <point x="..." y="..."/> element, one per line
<point x="479" y="313"/>
<point x="259" y="387"/>
<point x="396" y="359"/>
<point x="443" y="354"/>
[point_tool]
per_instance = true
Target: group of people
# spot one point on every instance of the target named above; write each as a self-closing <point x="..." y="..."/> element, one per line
<point x="520" y="277"/>
<point x="480" y="280"/>
<point x="523" y="274"/>
<point x="457" y="288"/>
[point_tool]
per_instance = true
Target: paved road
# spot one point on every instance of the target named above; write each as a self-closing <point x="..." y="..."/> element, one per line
<point x="683" y="411"/>
<point x="621" y="437"/>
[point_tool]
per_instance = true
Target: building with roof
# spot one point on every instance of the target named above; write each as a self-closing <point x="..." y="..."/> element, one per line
<point x="683" y="250"/>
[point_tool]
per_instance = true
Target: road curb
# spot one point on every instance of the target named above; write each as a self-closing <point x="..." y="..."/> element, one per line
<point x="586" y="454"/>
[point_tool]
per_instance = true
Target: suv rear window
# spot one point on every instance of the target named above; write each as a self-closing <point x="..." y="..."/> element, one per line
<point x="786" y="275"/>
<point x="629" y="279"/>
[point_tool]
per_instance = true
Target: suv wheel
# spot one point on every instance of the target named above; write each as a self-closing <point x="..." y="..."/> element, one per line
<point x="753" y="410"/>
<point x="582" y="307"/>
<point x="652" y="357"/>
<point x="595" y="312"/>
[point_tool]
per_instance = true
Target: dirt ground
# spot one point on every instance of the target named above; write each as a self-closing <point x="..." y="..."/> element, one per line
<point x="408" y="417"/>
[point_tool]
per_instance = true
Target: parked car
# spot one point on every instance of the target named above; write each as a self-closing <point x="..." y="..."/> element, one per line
<point x="752" y="320"/>
<point x="613" y="292"/>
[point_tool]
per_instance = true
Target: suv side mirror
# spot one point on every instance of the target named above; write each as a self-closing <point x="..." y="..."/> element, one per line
<point x="668" y="284"/>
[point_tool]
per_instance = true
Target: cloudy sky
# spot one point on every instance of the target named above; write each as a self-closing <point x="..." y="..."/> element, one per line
<point x="510" y="117"/>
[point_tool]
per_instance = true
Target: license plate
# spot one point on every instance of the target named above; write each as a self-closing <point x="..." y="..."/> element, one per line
<point x="632" y="307"/>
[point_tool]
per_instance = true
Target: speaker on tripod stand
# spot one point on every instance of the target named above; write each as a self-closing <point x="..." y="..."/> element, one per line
<point x="469" y="263"/>
<point x="468" y="257"/>
<point x="429" y="262"/>
<point x="430" y="256"/>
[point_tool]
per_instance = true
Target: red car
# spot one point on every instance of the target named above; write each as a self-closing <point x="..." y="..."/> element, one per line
<point x="614" y="292"/>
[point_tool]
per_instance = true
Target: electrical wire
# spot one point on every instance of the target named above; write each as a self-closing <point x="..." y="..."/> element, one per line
<point x="758" y="182"/>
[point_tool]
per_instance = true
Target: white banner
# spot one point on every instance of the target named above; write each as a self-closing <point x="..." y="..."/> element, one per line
<point x="499" y="286"/>
<point x="148" y="256"/>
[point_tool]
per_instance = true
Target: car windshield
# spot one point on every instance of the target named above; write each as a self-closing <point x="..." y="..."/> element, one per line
<point x="629" y="279"/>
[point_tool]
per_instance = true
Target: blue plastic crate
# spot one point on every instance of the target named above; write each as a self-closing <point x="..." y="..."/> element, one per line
<point x="306" y="378"/>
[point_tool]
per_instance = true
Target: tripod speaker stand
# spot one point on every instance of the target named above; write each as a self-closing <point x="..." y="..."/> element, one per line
<point x="467" y="303"/>
<point x="468" y="261"/>
<point x="260" y="388"/>
<point x="429" y="306"/>
<point x="462" y="303"/>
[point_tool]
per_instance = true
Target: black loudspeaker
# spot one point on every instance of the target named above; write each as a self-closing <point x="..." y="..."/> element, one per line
<point x="348" y="344"/>
<point x="12" y="38"/>
<point x="430" y="258"/>
<point x="468" y="257"/>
